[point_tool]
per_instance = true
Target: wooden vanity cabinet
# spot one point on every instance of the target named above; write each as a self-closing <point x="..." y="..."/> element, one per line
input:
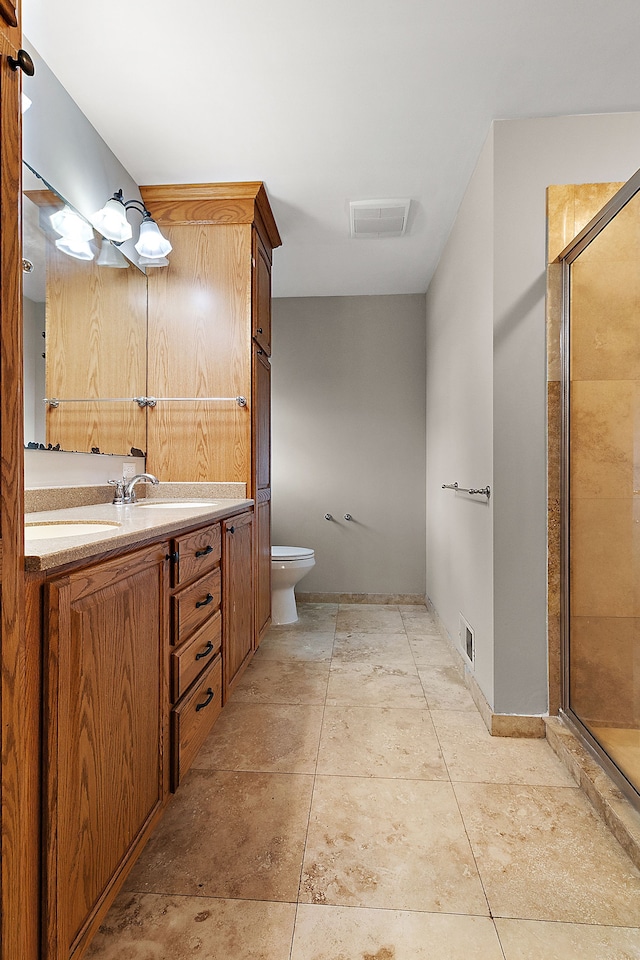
<point x="106" y="769"/>
<point x="196" y="644"/>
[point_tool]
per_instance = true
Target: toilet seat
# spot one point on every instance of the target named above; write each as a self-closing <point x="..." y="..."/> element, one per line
<point x="291" y="553"/>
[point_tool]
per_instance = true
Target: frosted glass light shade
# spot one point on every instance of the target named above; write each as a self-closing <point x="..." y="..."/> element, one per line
<point x="151" y="243"/>
<point x="71" y="225"/>
<point x="112" y="221"/>
<point x="80" y="249"/>
<point x="110" y="256"/>
<point x="153" y="262"/>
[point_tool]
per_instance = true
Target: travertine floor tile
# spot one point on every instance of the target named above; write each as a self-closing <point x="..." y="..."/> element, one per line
<point x="472" y="754"/>
<point x="151" y="927"/>
<point x="535" y="939"/>
<point x="268" y="737"/>
<point x="397" y="844"/>
<point x="543" y="855"/>
<point x="314" y="613"/>
<point x="368" y="618"/>
<point x="372" y="648"/>
<point x="234" y="835"/>
<point x="369" y="683"/>
<point x="444" y="688"/>
<point x="380" y="742"/>
<point x="329" y="933"/>
<point x="273" y="681"/>
<point x="300" y="645"/>
<point x="430" y="652"/>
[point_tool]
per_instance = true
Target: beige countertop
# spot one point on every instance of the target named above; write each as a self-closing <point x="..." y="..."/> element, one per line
<point x="136" y="524"/>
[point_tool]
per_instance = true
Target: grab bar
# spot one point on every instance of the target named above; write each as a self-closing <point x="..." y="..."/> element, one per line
<point x="483" y="491"/>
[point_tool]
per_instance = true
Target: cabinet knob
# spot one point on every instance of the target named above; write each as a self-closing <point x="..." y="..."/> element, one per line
<point x="231" y="529"/>
<point x="206" y="602"/>
<point x="174" y="557"/>
<point x="203" y="553"/>
<point x="259" y="330"/>
<point x="205" y="703"/>
<point x="22" y="62"/>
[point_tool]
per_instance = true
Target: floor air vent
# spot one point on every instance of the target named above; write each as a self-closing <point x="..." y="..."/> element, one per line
<point x="467" y="640"/>
<point x="378" y="218"/>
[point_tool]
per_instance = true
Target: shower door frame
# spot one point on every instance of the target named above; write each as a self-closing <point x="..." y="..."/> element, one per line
<point x="566" y="259"/>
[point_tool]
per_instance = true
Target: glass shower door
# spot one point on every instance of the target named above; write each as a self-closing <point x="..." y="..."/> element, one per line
<point x="602" y="486"/>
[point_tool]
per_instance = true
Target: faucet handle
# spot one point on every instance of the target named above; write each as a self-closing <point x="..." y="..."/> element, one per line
<point x="118" y="493"/>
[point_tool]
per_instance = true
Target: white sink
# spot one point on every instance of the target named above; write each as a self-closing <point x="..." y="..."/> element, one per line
<point x="175" y="504"/>
<point x="66" y="528"/>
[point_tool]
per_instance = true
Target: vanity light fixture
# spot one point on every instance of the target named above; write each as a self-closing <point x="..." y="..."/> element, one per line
<point x="75" y="233"/>
<point x="112" y="222"/>
<point x="110" y="256"/>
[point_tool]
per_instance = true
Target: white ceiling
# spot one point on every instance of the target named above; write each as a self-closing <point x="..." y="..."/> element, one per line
<point x="329" y="101"/>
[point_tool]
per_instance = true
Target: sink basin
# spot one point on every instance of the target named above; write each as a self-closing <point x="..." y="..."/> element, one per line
<point x="175" y="504"/>
<point x="66" y="528"/>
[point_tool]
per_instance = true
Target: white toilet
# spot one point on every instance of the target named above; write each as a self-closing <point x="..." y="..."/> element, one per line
<point x="288" y="566"/>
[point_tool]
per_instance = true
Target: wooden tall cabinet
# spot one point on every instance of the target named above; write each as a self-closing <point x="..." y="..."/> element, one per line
<point x="19" y="702"/>
<point x="209" y="336"/>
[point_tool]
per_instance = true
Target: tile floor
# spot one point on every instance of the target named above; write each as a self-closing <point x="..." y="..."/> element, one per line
<point x="350" y="805"/>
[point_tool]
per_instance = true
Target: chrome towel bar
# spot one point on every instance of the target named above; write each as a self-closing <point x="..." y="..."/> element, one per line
<point x="146" y="401"/>
<point x="483" y="491"/>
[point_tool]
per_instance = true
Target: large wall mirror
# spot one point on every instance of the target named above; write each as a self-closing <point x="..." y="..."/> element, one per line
<point x="87" y="296"/>
<point x="85" y="331"/>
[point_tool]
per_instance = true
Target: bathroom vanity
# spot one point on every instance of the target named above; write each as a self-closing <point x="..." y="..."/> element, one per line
<point x="145" y="628"/>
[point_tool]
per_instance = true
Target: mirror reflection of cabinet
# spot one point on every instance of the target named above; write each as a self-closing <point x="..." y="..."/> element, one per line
<point x="94" y="317"/>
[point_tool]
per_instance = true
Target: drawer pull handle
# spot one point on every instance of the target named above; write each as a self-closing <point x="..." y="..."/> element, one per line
<point x="205" y="703"/>
<point x="206" y="602"/>
<point x="205" y="653"/>
<point x="203" y="553"/>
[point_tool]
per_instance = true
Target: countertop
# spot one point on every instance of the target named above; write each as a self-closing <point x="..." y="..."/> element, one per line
<point x="136" y="525"/>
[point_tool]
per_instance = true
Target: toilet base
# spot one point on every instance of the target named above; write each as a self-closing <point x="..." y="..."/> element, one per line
<point x="283" y="606"/>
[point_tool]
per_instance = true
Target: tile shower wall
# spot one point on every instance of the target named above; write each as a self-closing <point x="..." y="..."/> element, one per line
<point x="605" y="475"/>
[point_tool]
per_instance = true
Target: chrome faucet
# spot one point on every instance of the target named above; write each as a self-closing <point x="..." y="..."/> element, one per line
<point x="124" y="492"/>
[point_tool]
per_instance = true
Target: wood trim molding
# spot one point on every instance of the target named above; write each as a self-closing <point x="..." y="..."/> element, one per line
<point x="213" y="203"/>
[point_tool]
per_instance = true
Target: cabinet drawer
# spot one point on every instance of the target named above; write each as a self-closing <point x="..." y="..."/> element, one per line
<point x="192" y="719"/>
<point x="194" y="655"/>
<point x="197" y="553"/>
<point x="195" y="604"/>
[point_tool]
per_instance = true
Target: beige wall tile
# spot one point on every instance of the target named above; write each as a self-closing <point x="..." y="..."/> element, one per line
<point x="620" y="239"/>
<point x="604" y="321"/>
<point x="605" y="669"/>
<point x="589" y="199"/>
<point x="560" y="218"/>
<point x="605" y="548"/>
<point x="605" y="438"/>
<point x="554" y="320"/>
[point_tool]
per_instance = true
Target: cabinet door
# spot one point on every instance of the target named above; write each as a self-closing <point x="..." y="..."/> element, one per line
<point x="261" y="295"/>
<point x="237" y="602"/>
<point x="106" y="732"/>
<point x="263" y="564"/>
<point x="261" y="394"/>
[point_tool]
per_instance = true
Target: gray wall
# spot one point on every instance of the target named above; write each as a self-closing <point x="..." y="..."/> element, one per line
<point x="349" y="437"/>
<point x="526" y="156"/>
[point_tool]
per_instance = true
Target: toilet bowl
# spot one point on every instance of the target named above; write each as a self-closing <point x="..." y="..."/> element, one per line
<point x="288" y="566"/>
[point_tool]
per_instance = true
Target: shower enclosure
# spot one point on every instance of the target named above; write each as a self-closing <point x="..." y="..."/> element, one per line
<point x="600" y="486"/>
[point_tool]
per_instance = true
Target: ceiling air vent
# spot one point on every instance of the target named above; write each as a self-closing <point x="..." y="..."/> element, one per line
<point x="378" y="218"/>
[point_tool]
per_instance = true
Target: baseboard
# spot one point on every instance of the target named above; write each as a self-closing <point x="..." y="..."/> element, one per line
<point x="498" y="724"/>
<point x="408" y="599"/>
